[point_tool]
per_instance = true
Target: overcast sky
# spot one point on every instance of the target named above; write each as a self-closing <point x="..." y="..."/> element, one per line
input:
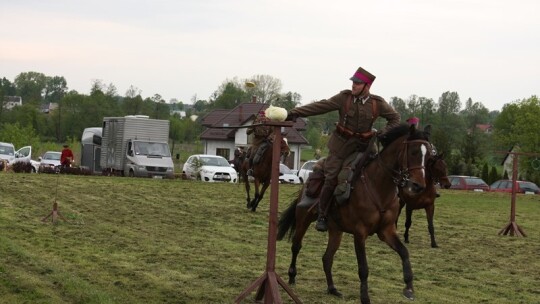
<point x="487" y="50"/>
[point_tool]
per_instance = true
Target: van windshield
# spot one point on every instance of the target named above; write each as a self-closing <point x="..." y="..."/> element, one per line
<point x="151" y="149"/>
<point x="7" y="150"/>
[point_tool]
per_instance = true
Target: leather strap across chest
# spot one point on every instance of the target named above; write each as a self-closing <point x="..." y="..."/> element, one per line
<point x="342" y="124"/>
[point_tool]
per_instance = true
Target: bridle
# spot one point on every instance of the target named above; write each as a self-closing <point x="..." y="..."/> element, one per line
<point x="402" y="175"/>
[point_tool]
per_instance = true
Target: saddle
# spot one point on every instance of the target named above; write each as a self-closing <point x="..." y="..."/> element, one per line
<point x="260" y="151"/>
<point x="350" y="171"/>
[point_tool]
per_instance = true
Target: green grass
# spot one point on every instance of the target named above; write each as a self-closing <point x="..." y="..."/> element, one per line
<point x="175" y="241"/>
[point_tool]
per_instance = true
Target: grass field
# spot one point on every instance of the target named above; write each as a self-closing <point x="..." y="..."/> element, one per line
<point x="176" y="241"/>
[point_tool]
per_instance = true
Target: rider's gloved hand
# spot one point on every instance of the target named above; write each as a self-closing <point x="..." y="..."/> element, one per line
<point x="291" y="117"/>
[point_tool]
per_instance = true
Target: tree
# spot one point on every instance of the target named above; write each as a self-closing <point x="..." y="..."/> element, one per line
<point x="474" y="113"/>
<point x="493" y="176"/>
<point x="485" y="173"/>
<point x="517" y="125"/>
<point x="6" y="89"/>
<point x="449" y="103"/>
<point x="55" y="89"/>
<point x="228" y="96"/>
<point x="30" y="86"/>
<point x="19" y="135"/>
<point x="267" y="88"/>
<point x="288" y="100"/>
<point x="400" y="106"/>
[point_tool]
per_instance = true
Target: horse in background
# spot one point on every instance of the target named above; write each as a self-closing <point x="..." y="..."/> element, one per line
<point x="373" y="207"/>
<point x="238" y="160"/>
<point x="261" y="169"/>
<point x="436" y="173"/>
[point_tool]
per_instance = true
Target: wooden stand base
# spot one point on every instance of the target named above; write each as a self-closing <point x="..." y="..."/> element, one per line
<point x="54" y="215"/>
<point x="512" y="228"/>
<point x="268" y="289"/>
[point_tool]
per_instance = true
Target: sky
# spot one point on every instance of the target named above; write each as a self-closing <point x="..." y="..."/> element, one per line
<point x="486" y="50"/>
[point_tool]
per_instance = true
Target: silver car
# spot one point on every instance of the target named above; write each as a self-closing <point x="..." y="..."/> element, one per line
<point x="50" y="162"/>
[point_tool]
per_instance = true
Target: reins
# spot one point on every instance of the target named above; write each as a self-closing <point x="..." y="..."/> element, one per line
<point x="400" y="177"/>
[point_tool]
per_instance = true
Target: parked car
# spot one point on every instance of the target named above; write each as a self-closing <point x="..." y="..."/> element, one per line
<point x="7" y="151"/>
<point x="462" y="182"/>
<point x="287" y="176"/>
<point x="50" y="162"/>
<point x="505" y="185"/>
<point x="24" y="154"/>
<point x="209" y="168"/>
<point x="305" y="170"/>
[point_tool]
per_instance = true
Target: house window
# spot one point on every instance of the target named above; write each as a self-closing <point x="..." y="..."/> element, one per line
<point x="223" y="152"/>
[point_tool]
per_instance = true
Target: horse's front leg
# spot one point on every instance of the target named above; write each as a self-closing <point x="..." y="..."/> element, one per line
<point x="334" y="241"/>
<point x="363" y="269"/>
<point x="430" y="211"/>
<point x="408" y="223"/>
<point x="390" y="237"/>
<point x="258" y="195"/>
<point x="303" y="219"/>
<point x="248" y="189"/>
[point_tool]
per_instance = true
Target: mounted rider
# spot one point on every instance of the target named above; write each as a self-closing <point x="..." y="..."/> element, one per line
<point x="358" y="109"/>
<point x="260" y="135"/>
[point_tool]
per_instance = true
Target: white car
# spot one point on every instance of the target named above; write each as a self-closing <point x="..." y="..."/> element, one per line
<point x="209" y="168"/>
<point x="305" y="170"/>
<point x="7" y="151"/>
<point x="24" y="154"/>
<point x="50" y="162"/>
<point x="287" y="176"/>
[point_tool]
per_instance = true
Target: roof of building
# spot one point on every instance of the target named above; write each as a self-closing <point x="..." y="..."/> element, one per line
<point x="240" y="116"/>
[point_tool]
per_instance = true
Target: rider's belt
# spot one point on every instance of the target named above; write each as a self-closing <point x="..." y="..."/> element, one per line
<point x="347" y="133"/>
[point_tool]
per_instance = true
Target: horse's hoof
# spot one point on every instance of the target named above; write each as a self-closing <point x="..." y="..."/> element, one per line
<point x="434" y="246"/>
<point x="408" y="293"/>
<point x="333" y="291"/>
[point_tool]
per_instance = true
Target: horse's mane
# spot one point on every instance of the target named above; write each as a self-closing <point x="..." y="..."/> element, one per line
<point x="400" y="130"/>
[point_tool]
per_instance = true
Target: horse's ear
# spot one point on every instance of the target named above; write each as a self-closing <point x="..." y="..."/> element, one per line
<point x="427" y="130"/>
<point x="412" y="128"/>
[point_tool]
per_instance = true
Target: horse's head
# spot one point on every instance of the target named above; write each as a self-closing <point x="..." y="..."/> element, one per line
<point x="414" y="151"/>
<point x="438" y="169"/>
<point x="285" y="150"/>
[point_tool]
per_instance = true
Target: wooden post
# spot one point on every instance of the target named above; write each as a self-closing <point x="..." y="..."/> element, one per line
<point x="55" y="214"/>
<point x="268" y="282"/>
<point x="512" y="227"/>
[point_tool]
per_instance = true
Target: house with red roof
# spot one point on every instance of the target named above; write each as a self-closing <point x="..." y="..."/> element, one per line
<point x="226" y="130"/>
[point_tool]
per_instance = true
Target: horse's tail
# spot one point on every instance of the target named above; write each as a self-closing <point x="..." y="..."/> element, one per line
<point x="287" y="221"/>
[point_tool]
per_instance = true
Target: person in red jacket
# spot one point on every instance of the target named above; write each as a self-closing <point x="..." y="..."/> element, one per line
<point x="66" y="158"/>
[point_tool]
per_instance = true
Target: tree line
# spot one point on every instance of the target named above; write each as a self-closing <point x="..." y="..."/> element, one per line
<point x="468" y="149"/>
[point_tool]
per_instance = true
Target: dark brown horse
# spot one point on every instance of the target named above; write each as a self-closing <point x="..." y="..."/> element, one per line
<point x="237" y="162"/>
<point x="436" y="173"/>
<point x="373" y="207"/>
<point x="261" y="171"/>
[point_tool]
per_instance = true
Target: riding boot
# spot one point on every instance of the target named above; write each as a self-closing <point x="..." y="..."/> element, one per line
<point x="250" y="170"/>
<point x="324" y="199"/>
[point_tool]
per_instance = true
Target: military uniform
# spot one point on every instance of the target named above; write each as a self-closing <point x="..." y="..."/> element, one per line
<point x="352" y="132"/>
<point x="260" y="133"/>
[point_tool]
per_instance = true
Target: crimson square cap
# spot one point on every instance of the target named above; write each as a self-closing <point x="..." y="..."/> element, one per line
<point x="362" y="75"/>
